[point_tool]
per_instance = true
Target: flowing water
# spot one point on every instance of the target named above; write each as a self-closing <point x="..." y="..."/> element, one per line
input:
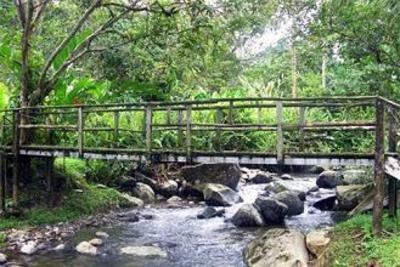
<point x="187" y="240"/>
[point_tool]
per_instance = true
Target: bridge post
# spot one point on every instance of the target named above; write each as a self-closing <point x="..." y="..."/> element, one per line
<point x="219" y="118"/>
<point x="15" y="150"/>
<point x="81" y="135"/>
<point x="149" y="128"/>
<point x="180" y="122"/>
<point x="279" y="133"/>
<point x="302" y="122"/>
<point x="392" y="187"/>
<point x="188" y="134"/>
<point x="230" y="113"/>
<point x="116" y="128"/>
<point x="379" y="172"/>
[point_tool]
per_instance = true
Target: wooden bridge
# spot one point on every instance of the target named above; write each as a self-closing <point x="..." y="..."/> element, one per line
<point x="216" y="130"/>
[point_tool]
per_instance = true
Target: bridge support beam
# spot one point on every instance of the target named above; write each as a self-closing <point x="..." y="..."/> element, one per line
<point x="379" y="169"/>
<point x="16" y="154"/>
<point x="392" y="187"/>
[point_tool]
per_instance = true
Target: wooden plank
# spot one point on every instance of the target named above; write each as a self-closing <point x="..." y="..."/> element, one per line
<point x="392" y="145"/>
<point x="80" y="126"/>
<point x="188" y="133"/>
<point x="48" y="127"/>
<point x="379" y="172"/>
<point x="210" y="101"/>
<point x="279" y="133"/>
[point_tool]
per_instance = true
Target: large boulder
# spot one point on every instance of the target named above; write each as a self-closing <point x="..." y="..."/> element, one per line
<point x="349" y="196"/>
<point x="126" y="183"/>
<point x="220" y="173"/>
<point x="329" y="179"/>
<point x="262" y="178"/>
<point x="168" y="188"/>
<point x="188" y="190"/>
<point x="144" y="192"/>
<point x="317" y="241"/>
<point x="276" y="187"/>
<point x="326" y="203"/>
<point x="131" y="202"/>
<point x="317" y="169"/>
<point x="220" y="195"/>
<point x="248" y="216"/>
<point x="277" y="248"/>
<point x="292" y="201"/>
<point x="356" y="176"/>
<point x="210" y="212"/>
<point x="272" y="210"/>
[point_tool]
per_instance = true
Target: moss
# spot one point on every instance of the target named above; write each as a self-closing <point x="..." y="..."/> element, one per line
<point x="354" y="245"/>
<point x="74" y="206"/>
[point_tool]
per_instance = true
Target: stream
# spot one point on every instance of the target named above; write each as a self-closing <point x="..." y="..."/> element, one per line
<point x="187" y="240"/>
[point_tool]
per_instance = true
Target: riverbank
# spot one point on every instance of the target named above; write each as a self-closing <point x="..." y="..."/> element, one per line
<point x="76" y="204"/>
<point x="354" y="245"/>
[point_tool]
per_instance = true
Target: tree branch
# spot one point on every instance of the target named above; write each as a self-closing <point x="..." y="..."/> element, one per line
<point x="21" y="12"/>
<point x="39" y="13"/>
<point x="68" y="38"/>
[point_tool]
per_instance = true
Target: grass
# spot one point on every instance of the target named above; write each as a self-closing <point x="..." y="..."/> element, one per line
<point x="74" y="206"/>
<point x="354" y="245"/>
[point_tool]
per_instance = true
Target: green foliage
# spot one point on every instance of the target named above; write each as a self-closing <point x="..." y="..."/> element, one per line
<point x="74" y="170"/>
<point x="75" y="205"/>
<point x="354" y="245"/>
<point x="4" y="95"/>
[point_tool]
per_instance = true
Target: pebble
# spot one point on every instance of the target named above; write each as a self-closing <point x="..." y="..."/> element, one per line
<point x="29" y="248"/>
<point x="59" y="247"/>
<point x="86" y="248"/>
<point x="102" y="234"/>
<point x="3" y="258"/>
<point x="96" y="242"/>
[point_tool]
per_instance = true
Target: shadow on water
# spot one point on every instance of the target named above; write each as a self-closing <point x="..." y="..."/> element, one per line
<point x="187" y="240"/>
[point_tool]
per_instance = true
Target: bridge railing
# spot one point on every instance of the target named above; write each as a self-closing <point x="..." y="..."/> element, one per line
<point x="225" y="126"/>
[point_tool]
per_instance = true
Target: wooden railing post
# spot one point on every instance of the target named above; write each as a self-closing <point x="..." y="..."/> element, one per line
<point x="302" y="122"/>
<point x="279" y="133"/>
<point x="219" y="118"/>
<point x="149" y="128"/>
<point x="15" y="150"/>
<point x="81" y="135"/>
<point x="379" y="173"/>
<point x="230" y="113"/>
<point x="188" y="134"/>
<point x="180" y="133"/>
<point x="392" y="145"/>
<point x="116" y="128"/>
